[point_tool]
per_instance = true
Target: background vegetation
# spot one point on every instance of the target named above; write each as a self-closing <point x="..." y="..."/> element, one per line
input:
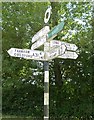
<point x="71" y="81"/>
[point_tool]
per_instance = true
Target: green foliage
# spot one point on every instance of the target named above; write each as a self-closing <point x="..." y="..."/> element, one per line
<point x="23" y="79"/>
<point x="22" y="100"/>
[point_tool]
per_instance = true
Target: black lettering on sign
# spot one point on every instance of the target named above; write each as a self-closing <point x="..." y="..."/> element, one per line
<point x="28" y="51"/>
<point x="40" y="53"/>
<point x="18" y="55"/>
<point x="15" y="53"/>
<point x="23" y="55"/>
<point x="35" y="54"/>
<point x="31" y="56"/>
<point x="22" y="51"/>
<point x="15" y="50"/>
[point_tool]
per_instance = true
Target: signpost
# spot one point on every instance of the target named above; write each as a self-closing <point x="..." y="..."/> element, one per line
<point x="68" y="55"/>
<point x="52" y="49"/>
<point x="53" y="33"/>
<point x="40" y="34"/>
<point x="27" y="54"/>
<point x="39" y="43"/>
<point x="53" y="53"/>
<point x="46" y="90"/>
<point x="69" y="46"/>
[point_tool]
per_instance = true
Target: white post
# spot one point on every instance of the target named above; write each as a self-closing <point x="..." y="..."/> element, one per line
<point x="46" y="70"/>
<point x="46" y="85"/>
<point x="46" y="90"/>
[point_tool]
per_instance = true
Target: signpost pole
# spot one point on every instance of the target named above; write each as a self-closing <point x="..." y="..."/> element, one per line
<point x="46" y="90"/>
<point x="46" y="71"/>
<point x="46" y="85"/>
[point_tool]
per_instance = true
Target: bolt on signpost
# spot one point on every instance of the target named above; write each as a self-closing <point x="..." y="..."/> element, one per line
<point x="52" y="49"/>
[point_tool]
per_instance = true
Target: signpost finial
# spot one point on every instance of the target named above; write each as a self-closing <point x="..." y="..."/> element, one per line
<point x="47" y="14"/>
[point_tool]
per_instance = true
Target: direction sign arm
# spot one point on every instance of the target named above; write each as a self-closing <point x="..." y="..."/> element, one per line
<point x="55" y="30"/>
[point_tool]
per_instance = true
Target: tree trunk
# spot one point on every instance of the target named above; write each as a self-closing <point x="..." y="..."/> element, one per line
<point x="56" y="67"/>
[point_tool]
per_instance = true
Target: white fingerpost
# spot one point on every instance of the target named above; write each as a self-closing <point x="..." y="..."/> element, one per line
<point x="46" y="90"/>
<point x="27" y="54"/>
<point x="46" y="71"/>
<point x="46" y="84"/>
<point x="52" y="49"/>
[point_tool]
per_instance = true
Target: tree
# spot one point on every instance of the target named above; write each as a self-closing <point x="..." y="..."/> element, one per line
<point x="70" y="80"/>
<point x="75" y="75"/>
